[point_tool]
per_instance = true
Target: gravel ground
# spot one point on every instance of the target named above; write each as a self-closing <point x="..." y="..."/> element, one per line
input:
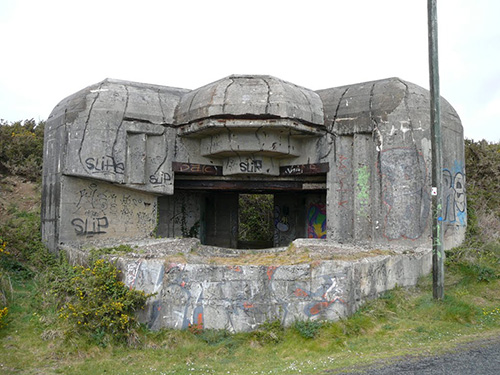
<point x="476" y="358"/>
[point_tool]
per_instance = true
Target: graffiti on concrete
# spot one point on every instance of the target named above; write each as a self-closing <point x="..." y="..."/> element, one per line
<point x="160" y="178"/>
<point x="454" y="203"/>
<point x="97" y="207"/>
<point x="281" y="224"/>
<point x="326" y="295"/>
<point x="178" y="286"/>
<point x="304" y="169"/>
<point x="404" y="179"/>
<point x="281" y="218"/>
<point x="316" y="220"/>
<point x="363" y="190"/>
<point x="104" y="164"/>
<point x="197" y="321"/>
<point x="238" y="300"/>
<point x="90" y="226"/>
<point x="93" y="201"/>
<point x="197" y="169"/>
<point x="251" y="166"/>
<point x="131" y="273"/>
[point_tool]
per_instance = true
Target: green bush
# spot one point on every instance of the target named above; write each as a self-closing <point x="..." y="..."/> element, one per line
<point x="269" y="332"/>
<point x="477" y="272"/>
<point x="96" y="302"/>
<point x="21" y="148"/>
<point x="475" y="262"/>
<point x="308" y="329"/>
<point x="24" y="242"/>
<point x="482" y="161"/>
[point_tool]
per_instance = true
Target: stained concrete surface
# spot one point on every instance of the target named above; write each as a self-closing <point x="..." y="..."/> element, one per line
<point x="365" y="147"/>
<point x="221" y="288"/>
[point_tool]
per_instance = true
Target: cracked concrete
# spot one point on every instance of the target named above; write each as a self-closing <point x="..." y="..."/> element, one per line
<point x="217" y="288"/>
<point x="128" y="134"/>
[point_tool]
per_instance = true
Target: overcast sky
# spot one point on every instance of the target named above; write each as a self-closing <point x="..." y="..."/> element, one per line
<point x="51" y="49"/>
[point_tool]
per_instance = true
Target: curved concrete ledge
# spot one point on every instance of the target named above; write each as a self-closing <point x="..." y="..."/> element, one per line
<point x="237" y="290"/>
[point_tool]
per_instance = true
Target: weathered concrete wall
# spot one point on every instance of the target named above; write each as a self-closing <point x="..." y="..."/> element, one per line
<point x="380" y="182"/>
<point x="113" y="131"/>
<point x="454" y="192"/>
<point x="250" y="96"/>
<point x="221" y="220"/>
<point x="120" y="134"/>
<point x="289" y="218"/>
<point x="98" y="211"/>
<point x="180" y="215"/>
<point x="370" y="142"/>
<point x="240" y="297"/>
<point x="54" y="146"/>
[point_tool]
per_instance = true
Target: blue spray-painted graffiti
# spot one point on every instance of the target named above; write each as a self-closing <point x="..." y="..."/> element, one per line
<point x="454" y="197"/>
<point x="327" y="294"/>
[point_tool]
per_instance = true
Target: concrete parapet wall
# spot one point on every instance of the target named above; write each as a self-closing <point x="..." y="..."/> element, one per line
<point x="239" y="297"/>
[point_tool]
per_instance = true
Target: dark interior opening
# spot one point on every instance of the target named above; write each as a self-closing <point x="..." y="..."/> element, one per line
<point x="244" y="214"/>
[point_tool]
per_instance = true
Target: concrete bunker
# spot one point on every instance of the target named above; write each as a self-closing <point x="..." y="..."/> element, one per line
<point x="127" y="162"/>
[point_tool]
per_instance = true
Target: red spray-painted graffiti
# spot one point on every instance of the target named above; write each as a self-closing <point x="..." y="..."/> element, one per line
<point x="326" y="295"/>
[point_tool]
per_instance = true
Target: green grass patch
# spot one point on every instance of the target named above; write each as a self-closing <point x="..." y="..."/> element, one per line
<point x="98" y="253"/>
<point x="401" y="322"/>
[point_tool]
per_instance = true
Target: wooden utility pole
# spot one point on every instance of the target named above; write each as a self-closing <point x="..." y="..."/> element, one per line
<point x="437" y="158"/>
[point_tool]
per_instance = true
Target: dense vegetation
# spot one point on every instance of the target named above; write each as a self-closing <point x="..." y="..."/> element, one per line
<point x="21" y="148"/>
<point x="55" y="318"/>
<point x="256" y="217"/>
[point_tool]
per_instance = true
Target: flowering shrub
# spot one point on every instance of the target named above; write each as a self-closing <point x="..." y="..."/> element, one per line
<point x="3" y="314"/>
<point x="99" y="303"/>
<point x="3" y="247"/>
<point x="3" y="301"/>
<point x="3" y="298"/>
